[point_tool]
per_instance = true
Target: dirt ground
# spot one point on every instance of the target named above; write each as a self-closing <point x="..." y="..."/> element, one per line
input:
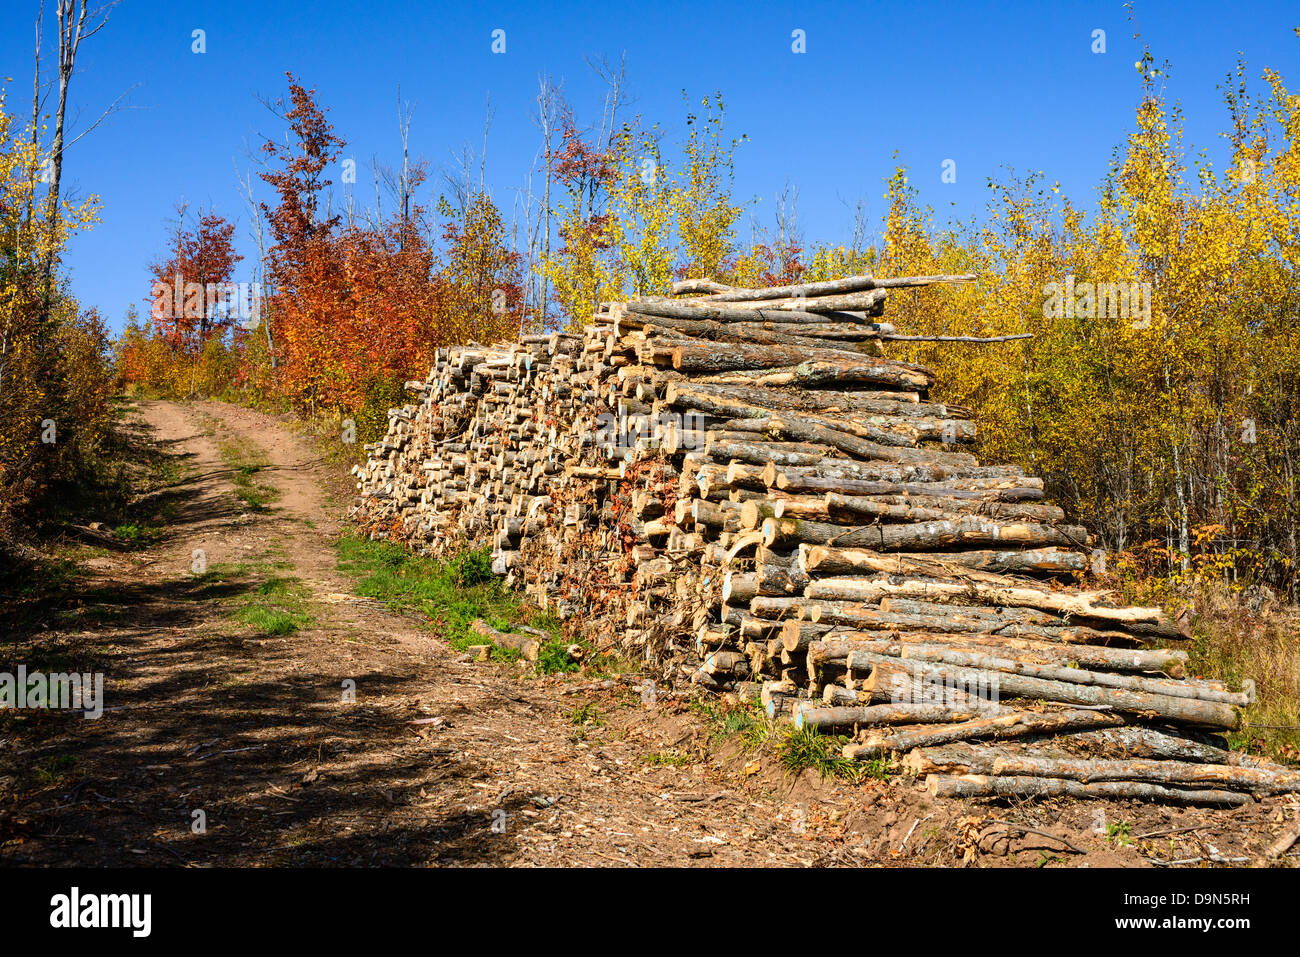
<point x="439" y="760"/>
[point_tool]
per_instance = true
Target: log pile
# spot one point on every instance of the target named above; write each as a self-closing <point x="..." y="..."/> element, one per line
<point x="742" y="490"/>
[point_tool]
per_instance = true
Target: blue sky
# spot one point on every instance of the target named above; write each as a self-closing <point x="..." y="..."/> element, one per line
<point x="988" y="85"/>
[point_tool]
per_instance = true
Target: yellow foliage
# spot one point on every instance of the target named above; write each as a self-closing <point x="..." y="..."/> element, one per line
<point x="53" y="371"/>
<point x="1176" y="413"/>
<point x="664" y="220"/>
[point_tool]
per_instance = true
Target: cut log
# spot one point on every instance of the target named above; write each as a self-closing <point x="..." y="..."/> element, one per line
<point x="1255" y="780"/>
<point x="972" y="531"/>
<point x="929" y="508"/>
<point x="1193" y="711"/>
<point x="717" y="292"/>
<point x="1138" y="742"/>
<point x="526" y="644"/>
<point x="824" y="401"/>
<point x="712" y="357"/>
<point x="827" y="561"/>
<point x="1001" y="662"/>
<point x="1009" y="724"/>
<point x="814" y="715"/>
<point x="1083" y="604"/>
<point x="838" y="647"/>
<point x="979" y="785"/>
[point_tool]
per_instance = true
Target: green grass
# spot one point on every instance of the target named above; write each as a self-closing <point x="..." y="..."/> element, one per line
<point x="451" y="593"/>
<point x="220" y="570"/>
<point x="138" y="536"/>
<point x="745" y="721"/>
<point x="270" y="621"/>
<point x="878" y="768"/>
<point x="255" y="497"/>
<point x="673" y="759"/>
<point x="276" y="605"/>
<point x="56" y="769"/>
<point x="585" y="714"/>
<point x="805" y="747"/>
<point x="246" y="460"/>
<point x="1120" y="834"/>
<point x="553" y="658"/>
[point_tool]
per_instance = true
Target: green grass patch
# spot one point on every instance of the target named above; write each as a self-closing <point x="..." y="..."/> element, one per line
<point x="272" y="621"/>
<point x="138" y="536"/>
<point x="1120" y="834"/>
<point x="743" y="720"/>
<point x="553" y="658"/>
<point x="586" y="714"/>
<point x="805" y="747"/>
<point x="246" y="460"/>
<point x="255" y="497"/>
<point x="272" y="606"/>
<point x="450" y="593"/>
<point x="277" y="606"/>
<point x="585" y="717"/>
<point x="669" y="759"/>
<point x="56" y="769"/>
<point x="225" y="570"/>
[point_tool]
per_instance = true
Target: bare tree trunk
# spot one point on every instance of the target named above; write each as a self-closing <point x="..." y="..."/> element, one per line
<point x="1180" y="497"/>
<point x="72" y="20"/>
<point x="72" y="16"/>
<point x="36" y="103"/>
<point x="482" y="159"/>
<point x="404" y="185"/>
<point x="546" y="118"/>
<point x="259" y="282"/>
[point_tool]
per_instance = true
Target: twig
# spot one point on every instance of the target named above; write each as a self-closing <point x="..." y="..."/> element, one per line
<point x="1284" y="841"/>
<point x="913" y="828"/>
<point x="692" y="798"/>
<point x="1213" y="858"/>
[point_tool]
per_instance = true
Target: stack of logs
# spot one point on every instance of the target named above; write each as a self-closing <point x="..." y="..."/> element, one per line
<point x="739" y="488"/>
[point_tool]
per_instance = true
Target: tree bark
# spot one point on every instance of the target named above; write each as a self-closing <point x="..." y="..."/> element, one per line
<point x="716" y="292"/>
<point x="978" y="785"/>
<point x="524" y="643"/>
<point x="1193" y="711"/>
<point x="1010" y="724"/>
<point x="1083" y="604"/>
<point x="811" y="715"/>
<point x="1255" y="780"/>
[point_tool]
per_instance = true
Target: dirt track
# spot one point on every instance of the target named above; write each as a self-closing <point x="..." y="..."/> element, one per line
<point x="438" y="760"/>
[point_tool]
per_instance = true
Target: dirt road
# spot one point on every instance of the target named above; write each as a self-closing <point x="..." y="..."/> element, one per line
<point x="219" y="747"/>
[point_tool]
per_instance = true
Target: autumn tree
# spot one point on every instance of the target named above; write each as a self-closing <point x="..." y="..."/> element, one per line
<point x="485" y="291"/>
<point x="1158" y="394"/>
<point x="638" y="214"/>
<point x="192" y="296"/>
<point x="577" y="269"/>
<point x="303" y="273"/>
<point x="53" y="362"/>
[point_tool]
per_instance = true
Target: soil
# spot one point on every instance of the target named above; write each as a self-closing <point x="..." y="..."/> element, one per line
<point x="439" y="760"/>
